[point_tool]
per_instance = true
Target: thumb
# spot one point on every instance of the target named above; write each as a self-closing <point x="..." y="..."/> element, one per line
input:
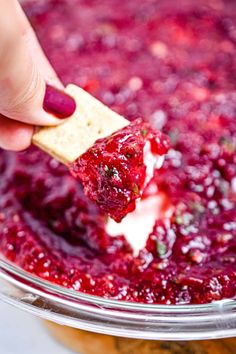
<point x="24" y="95"/>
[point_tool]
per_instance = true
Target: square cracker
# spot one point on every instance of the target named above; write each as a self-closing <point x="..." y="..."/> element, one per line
<point x="91" y="120"/>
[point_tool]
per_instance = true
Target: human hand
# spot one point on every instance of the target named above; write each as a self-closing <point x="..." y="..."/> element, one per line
<point x="30" y="92"/>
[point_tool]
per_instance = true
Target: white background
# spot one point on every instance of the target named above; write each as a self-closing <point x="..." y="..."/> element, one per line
<point x="21" y="333"/>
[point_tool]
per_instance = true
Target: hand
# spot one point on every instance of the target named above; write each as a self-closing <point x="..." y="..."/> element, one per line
<point x="30" y="92"/>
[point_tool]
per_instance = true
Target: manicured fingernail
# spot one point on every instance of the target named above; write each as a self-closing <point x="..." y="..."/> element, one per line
<point x="58" y="103"/>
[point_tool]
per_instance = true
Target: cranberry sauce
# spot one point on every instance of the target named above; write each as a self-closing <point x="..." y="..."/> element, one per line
<point x="114" y="170"/>
<point x="173" y="63"/>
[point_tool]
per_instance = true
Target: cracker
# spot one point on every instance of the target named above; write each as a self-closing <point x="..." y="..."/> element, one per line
<point x="92" y="120"/>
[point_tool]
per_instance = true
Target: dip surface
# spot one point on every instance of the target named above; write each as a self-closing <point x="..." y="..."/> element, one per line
<point x="173" y="63"/>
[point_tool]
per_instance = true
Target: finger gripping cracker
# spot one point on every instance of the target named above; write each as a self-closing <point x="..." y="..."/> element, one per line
<point x="91" y="120"/>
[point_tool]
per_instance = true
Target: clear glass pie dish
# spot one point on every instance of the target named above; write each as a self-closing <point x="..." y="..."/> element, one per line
<point x="112" y="317"/>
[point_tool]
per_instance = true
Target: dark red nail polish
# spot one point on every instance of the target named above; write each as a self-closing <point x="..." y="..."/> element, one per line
<point x="58" y="103"/>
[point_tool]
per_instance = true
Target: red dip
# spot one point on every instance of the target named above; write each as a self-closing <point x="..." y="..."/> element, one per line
<point x="174" y="64"/>
<point x="114" y="170"/>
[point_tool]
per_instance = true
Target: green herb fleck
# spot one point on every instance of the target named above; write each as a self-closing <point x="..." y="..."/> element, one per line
<point x="109" y="171"/>
<point x="179" y="220"/>
<point x="173" y="135"/>
<point x="227" y="143"/>
<point x="198" y="207"/>
<point x="94" y="151"/>
<point x="128" y="155"/>
<point x="184" y="219"/>
<point x="161" y="249"/>
<point x="144" y="132"/>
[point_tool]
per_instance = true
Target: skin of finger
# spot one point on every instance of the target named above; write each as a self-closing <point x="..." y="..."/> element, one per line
<point x="42" y="62"/>
<point x="37" y="52"/>
<point x="15" y="136"/>
<point x="22" y="87"/>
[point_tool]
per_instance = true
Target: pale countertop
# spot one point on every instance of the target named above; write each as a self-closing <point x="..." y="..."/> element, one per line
<point x="21" y="333"/>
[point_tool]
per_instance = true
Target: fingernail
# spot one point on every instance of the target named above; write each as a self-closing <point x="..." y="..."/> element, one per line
<point x="58" y="103"/>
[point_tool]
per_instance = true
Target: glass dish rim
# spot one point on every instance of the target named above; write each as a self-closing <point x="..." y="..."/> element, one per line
<point x="114" y="317"/>
<point x="74" y="295"/>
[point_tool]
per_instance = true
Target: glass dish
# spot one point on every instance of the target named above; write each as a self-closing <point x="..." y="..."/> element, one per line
<point x="112" y="317"/>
